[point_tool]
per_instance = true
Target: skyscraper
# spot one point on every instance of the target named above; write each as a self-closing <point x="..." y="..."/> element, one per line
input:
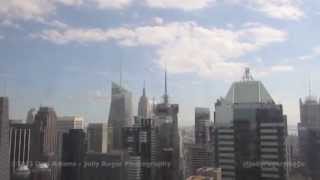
<point x="20" y="145"/>
<point x="141" y="143"/>
<point x="309" y="136"/>
<point x="4" y="139"/>
<point x="166" y="119"/>
<point x="202" y="125"/>
<point x="250" y="133"/>
<point x="144" y="108"/>
<point x="99" y="137"/>
<point x="120" y="115"/>
<point x="73" y="153"/>
<point x="44" y="139"/>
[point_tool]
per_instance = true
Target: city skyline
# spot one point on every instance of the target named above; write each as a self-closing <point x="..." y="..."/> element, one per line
<point x="65" y="54"/>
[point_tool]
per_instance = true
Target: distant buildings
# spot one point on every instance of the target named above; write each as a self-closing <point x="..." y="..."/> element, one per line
<point x="250" y="133"/>
<point x="120" y="114"/>
<point x="207" y="173"/>
<point x="100" y="137"/>
<point x="4" y="139"/>
<point x="202" y="125"/>
<point x="309" y="136"/>
<point x="144" y="108"/>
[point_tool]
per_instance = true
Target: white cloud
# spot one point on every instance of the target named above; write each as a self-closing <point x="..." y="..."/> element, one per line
<point x="179" y="4"/>
<point x="279" y="9"/>
<point x="106" y="4"/>
<point x="184" y="47"/>
<point x="40" y="9"/>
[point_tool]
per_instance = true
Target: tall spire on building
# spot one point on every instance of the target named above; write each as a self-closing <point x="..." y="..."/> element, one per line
<point x="247" y="75"/>
<point x="144" y="109"/>
<point x="165" y="97"/>
<point x="144" y="89"/>
<point x="120" y="72"/>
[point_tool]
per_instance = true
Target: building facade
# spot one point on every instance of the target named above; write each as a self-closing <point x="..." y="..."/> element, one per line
<point x="99" y="137"/>
<point x="309" y="136"/>
<point x="4" y="139"/>
<point x="250" y="133"/>
<point x="120" y="114"/>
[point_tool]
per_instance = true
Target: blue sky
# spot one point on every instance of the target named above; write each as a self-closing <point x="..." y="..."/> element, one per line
<point x="65" y="53"/>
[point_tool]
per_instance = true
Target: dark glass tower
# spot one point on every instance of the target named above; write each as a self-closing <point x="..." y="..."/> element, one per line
<point x="250" y="133"/>
<point x="73" y="152"/>
<point x="120" y="115"/>
<point x="4" y="139"/>
<point x="309" y="136"/>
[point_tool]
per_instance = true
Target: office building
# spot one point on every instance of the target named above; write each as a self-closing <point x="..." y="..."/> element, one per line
<point x="20" y="145"/>
<point x="120" y="114"/>
<point x="99" y="137"/>
<point x="141" y="143"/>
<point x="207" y="173"/>
<point x="250" y="133"/>
<point x="202" y="125"/>
<point x="4" y="139"/>
<point x="105" y="166"/>
<point x="166" y="120"/>
<point x="73" y="153"/>
<point x="44" y="142"/>
<point x="309" y="136"/>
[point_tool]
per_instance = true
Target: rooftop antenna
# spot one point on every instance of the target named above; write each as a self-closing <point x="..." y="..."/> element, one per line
<point x="166" y="97"/>
<point x="120" y="72"/>
<point x="144" y="88"/>
<point x="247" y="75"/>
<point x="310" y="89"/>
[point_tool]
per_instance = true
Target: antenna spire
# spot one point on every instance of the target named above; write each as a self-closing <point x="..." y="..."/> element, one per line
<point x="247" y="75"/>
<point x="144" y="88"/>
<point x="166" y="97"/>
<point x="310" y="89"/>
<point x="120" y="72"/>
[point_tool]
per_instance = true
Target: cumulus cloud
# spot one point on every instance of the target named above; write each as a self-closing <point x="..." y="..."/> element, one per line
<point x="185" y="47"/>
<point x="279" y="9"/>
<point x="41" y="9"/>
<point x="179" y="4"/>
<point x="106" y="4"/>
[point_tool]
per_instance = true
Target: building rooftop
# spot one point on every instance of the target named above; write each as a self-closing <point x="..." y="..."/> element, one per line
<point x="248" y="91"/>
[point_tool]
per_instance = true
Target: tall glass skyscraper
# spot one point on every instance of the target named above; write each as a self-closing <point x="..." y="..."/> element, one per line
<point x="120" y="115"/>
<point x="250" y="133"/>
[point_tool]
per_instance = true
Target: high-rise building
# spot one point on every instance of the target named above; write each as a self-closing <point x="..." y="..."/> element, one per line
<point x="74" y="150"/>
<point x="250" y="133"/>
<point x="20" y="145"/>
<point x="198" y="156"/>
<point x="105" y="166"/>
<point x="166" y="119"/>
<point x="99" y="137"/>
<point x="202" y="125"/>
<point x="120" y="115"/>
<point x="309" y="136"/>
<point x="141" y="143"/>
<point x="144" y="108"/>
<point x="64" y="125"/>
<point x="4" y="139"/>
<point x="44" y="141"/>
